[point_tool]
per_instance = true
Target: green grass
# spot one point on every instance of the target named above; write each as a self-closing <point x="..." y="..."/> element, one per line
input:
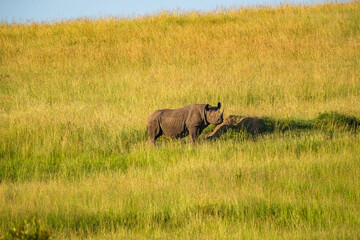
<point x="273" y="186"/>
<point x="75" y="97"/>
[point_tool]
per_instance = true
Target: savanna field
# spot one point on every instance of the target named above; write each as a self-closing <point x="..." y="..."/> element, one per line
<point x="75" y="97"/>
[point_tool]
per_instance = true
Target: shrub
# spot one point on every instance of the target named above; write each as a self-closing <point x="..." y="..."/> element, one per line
<point x="29" y="230"/>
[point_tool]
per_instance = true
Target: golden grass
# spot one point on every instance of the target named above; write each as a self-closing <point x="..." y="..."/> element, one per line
<point x="75" y="97"/>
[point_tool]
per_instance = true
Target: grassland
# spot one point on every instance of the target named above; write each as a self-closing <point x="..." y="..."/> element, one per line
<point x="75" y="96"/>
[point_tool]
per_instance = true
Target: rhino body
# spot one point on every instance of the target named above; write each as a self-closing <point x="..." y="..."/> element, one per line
<point x="178" y="123"/>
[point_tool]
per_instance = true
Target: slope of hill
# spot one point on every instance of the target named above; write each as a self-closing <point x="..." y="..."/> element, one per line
<point x="75" y="97"/>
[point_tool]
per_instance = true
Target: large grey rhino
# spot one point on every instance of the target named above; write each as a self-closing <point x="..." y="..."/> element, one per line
<point x="178" y="123"/>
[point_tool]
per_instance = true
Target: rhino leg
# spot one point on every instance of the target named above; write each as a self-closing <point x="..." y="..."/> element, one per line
<point x="194" y="133"/>
<point x="154" y="132"/>
<point x="151" y="141"/>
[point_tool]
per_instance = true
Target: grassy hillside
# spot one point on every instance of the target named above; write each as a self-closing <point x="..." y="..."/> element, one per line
<point x="75" y="97"/>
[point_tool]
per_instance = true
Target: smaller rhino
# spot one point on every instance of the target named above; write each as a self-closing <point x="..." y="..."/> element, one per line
<point x="178" y="123"/>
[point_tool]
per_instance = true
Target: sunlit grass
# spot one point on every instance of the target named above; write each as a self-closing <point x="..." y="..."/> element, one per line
<point x="75" y="97"/>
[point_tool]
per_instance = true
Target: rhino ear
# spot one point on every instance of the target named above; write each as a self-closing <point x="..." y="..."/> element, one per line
<point x="207" y="107"/>
<point x="219" y="105"/>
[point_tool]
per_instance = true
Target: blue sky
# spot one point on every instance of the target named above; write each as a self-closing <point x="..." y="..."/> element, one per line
<point x="21" y="11"/>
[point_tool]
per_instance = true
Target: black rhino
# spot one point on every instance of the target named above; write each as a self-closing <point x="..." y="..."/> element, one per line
<point x="178" y="123"/>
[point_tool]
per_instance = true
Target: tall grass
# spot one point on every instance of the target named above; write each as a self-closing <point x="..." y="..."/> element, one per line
<point x="75" y="96"/>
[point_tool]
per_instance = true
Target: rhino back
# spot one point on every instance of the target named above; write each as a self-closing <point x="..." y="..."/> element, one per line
<point x="172" y="122"/>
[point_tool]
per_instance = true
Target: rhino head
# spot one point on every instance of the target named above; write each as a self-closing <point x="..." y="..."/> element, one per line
<point x="213" y="114"/>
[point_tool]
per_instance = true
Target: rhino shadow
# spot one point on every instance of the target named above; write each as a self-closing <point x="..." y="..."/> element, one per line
<point x="252" y="125"/>
<point x="327" y="122"/>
